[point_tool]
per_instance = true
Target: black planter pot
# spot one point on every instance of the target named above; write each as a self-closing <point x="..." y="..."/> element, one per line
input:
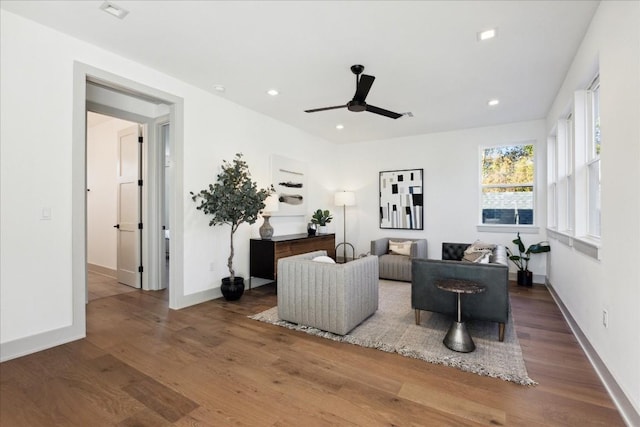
<point x="232" y="291"/>
<point x="525" y="278"/>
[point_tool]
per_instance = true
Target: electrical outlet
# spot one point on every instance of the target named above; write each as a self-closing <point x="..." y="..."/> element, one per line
<point x="605" y="318"/>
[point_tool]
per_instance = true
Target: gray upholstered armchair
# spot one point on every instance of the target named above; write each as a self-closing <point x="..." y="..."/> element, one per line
<point x="394" y="266"/>
<point x="331" y="297"/>
<point x="491" y="305"/>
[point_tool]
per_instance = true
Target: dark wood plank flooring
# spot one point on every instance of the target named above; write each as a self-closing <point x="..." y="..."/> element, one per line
<point x="209" y="365"/>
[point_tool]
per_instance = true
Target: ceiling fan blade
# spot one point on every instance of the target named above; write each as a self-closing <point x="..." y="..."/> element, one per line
<point x="362" y="90"/>
<point x="315" y="110"/>
<point x="383" y="112"/>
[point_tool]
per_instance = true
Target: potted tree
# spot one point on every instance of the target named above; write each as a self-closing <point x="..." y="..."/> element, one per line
<point x="233" y="199"/>
<point x="321" y="219"/>
<point x="525" y="277"/>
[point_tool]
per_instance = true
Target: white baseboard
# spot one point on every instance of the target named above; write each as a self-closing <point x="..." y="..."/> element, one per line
<point x="34" y="343"/>
<point x="627" y="410"/>
<point x="105" y="271"/>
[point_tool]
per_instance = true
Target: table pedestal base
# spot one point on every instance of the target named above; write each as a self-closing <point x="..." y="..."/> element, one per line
<point x="458" y="338"/>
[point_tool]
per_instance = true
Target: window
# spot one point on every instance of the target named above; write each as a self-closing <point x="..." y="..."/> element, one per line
<point x="507" y="185"/>
<point x="574" y="150"/>
<point x="593" y="160"/>
<point x="570" y="186"/>
<point x="552" y="180"/>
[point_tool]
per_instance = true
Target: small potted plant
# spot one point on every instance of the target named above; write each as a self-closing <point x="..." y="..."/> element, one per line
<point x="321" y="218"/>
<point x="525" y="277"/>
<point x="233" y="199"/>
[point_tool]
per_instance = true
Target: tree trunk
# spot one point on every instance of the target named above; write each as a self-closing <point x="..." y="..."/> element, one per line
<point x="232" y="273"/>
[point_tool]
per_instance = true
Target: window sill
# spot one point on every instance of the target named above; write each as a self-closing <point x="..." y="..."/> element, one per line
<point x="584" y="244"/>
<point x="511" y="228"/>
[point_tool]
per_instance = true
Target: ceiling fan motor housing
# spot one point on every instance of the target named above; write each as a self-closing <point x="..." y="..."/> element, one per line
<point x="356" y="106"/>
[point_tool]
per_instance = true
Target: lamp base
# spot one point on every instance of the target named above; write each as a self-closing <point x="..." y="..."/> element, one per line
<point x="266" y="230"/>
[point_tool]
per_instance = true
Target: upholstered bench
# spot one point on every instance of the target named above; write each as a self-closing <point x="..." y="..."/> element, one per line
<point x="395" y="264"/>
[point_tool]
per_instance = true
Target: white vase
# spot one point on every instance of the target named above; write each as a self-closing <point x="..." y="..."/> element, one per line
<point x="322" y="229"/>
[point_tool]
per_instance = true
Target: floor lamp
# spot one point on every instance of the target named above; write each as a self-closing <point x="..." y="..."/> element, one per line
<point x="344" y="199"/>
<point x="270" y="205"/>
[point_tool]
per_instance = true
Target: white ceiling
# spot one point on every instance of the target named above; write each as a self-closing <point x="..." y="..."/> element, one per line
<point x="424" y="54"/>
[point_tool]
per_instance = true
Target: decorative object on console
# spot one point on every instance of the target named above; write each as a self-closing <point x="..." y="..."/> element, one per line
<point x="290" y="181"/>
<point x="525" y="277"/>
<point x="270" y="206"/>
<point x="321" y="218"/>
<point x="344" y="199"/>
<point x="312" y="229"/>
<point x="233" y="199"/>
<point x="401" y="199"/>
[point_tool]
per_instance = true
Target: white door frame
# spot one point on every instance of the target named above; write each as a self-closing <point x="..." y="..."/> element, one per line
<point x="150" y="186"/>
<point x="82" y="74"/>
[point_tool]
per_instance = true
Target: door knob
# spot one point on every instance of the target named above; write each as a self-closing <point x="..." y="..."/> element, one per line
<point x="116" y="226"/>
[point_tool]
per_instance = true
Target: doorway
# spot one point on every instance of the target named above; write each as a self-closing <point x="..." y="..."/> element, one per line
<point x="140" y="156"/>
<point x="113" y="201"/>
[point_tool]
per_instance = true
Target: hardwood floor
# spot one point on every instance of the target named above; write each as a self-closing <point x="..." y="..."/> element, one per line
<point x="100" y="286"/>
<point x="209" y="365"/>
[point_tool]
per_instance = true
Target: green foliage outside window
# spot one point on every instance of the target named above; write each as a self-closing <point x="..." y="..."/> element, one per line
<point x="509" y="165"/>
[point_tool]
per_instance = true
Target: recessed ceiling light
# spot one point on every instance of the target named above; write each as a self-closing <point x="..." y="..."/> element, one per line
<point x="114" y="10"/>
<point x="339" y="127"/>
<point x="493" y="102"/>
<point x="272" y="92"/>
<point x="487" y="34"/>
<point x="219" y="88"/>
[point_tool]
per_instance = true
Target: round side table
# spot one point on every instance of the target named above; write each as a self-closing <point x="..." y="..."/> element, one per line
<point x="458" y="338"/>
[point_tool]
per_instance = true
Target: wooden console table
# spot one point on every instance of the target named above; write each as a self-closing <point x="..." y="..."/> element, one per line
<point x="264" y="254"/>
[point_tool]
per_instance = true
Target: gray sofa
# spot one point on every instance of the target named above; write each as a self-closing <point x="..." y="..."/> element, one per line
<point x="397" y="267"/>
<point x="331" y="297"/>
<point x="491" y="305"/>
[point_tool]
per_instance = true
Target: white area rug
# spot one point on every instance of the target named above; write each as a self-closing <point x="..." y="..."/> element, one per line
<point x="392" y="329"/>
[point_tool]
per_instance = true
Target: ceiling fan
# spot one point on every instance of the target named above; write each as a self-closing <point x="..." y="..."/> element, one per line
<point x="357" y="104"/>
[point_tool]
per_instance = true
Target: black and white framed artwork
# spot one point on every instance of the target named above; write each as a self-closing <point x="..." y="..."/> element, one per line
<point x="401" y="199"/>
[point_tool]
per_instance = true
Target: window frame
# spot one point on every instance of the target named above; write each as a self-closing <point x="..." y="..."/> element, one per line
<point x="508" y="228"/>
<point x="594" y="151"/>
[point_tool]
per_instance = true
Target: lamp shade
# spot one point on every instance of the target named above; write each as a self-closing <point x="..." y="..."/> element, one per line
<point x="345" y="198"/>
<point x="271" y="204"/>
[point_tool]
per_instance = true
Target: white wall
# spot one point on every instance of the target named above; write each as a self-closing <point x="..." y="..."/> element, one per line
<point x="36" y="279"/>
<point x="587" y="286"/>
<point x="102" y="197"/>
<point x="36" y="158"/>
<point x="451" y="163"/>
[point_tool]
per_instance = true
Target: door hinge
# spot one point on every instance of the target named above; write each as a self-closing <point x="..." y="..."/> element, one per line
<point x="139" y="226"/>
<point x="140" y="269"/>
<point x="139" y="183"/>
<point x="140" y="139"/>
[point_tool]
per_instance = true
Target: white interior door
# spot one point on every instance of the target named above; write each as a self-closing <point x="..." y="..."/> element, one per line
<point x="128" y="207"/>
